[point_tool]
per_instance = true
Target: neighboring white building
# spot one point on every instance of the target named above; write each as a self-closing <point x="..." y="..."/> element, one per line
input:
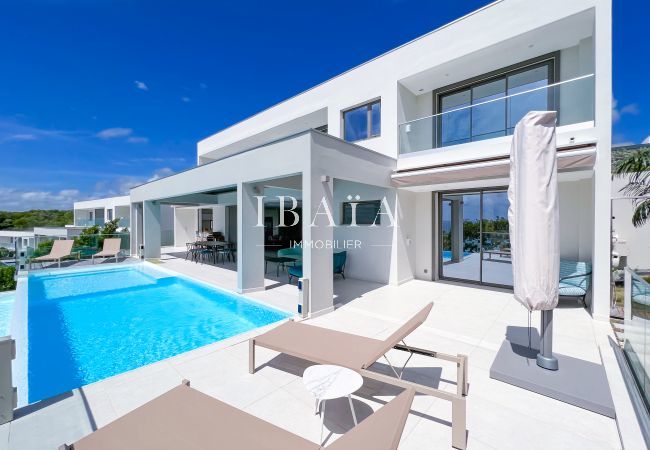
<point x="99" y="211"/>
<point x="8" y="238"/>
<point x="425" y="130"/>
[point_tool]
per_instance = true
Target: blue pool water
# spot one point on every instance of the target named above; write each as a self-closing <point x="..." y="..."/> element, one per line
<point x="446" y="255"/>
<point x="86" y="326"/>
<point x="6" y="307"/>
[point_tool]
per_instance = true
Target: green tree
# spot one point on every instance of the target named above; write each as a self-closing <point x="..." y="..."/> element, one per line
<point x="88" y="237"/>
<point x="34" y="218"/>
<point x="111" y="227"/>
<point x="7" y="282"/>
<point x="636" y="167"/>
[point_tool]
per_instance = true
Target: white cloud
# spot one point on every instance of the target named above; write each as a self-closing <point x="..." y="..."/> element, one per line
<point x="122" y="184"/>
<point x="138" y="140"/>
<point x="21" y="200"/>
<point x="21" y="137"/>
<point x="111" y="133"/>
<point x="141" y="85"/>
<point x="617" y="112"/>
<point x="646" y="140"/>
<point x="185" y="99"/>
<point x="160" y="173"/>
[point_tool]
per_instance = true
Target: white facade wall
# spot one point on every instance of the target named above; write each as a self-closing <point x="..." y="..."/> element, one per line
<point x="186" y="224"/>
<point x="447" y="55"/>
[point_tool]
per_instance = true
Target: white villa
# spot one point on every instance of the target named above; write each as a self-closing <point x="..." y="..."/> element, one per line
<point x="426" y="127"/>
<point x="403" y="164"/>
<point x="97" y="212"/>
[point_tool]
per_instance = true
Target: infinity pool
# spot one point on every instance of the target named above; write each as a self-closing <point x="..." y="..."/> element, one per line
<point x="86" y="326"/>
<point x="6" y="306"/>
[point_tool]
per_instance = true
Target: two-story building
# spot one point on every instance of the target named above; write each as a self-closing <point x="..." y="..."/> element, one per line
<point x="418" y="137"/>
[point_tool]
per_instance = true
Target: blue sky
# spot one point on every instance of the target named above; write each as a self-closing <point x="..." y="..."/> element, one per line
<point x="96" y="97"/>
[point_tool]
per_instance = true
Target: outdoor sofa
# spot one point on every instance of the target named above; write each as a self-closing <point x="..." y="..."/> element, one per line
<point x="575" y="279"/>
<point x="184" y="418"/>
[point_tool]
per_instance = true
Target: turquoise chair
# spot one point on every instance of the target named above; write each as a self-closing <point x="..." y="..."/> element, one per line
<point x="575" y="279"/>
<point x="291" y="252"/>
<point x="339" y="266"/>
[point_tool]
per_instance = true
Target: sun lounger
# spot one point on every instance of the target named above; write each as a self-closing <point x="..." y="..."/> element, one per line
<point x="325" y="346"/>
<point x="111" y="248"/>
<point x="185" y="418"/>
<point x="60" y="249"/>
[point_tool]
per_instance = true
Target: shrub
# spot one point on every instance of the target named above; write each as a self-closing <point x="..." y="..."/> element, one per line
<point x="7" y="282"/>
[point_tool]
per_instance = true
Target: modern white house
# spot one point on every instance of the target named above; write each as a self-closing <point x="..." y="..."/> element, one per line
<point x="417" y="138"/>
<point x="8" y="238"/>
<point x="99" y="211"/>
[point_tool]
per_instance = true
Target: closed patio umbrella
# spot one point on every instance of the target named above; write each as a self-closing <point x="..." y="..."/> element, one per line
<point x="533" y="217"/>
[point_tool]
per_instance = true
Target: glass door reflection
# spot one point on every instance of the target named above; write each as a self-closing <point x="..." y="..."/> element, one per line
<point x="474" y="238"/>
<point x="496" y="264"/>
<point x="460" y="224"/>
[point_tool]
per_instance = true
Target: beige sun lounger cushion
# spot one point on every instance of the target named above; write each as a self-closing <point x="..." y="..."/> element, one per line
<point x="325" y="346"/>
<point x="187" y="419"/>
<point x="60" y="249"/>
<point x="111" y="248"/>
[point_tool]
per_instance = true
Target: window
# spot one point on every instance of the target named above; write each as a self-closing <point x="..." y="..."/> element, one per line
<point x="494" y="115"/>
<point x="110" y="214"/>
<point x="366" y="213"/>
<point x="362" y="122"/>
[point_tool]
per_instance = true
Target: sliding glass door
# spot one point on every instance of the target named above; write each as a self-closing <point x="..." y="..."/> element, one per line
<point x="474" y="240"/>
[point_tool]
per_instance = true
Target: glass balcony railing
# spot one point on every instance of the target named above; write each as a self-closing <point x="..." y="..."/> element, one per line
<point x="637" y="330"/>
<point x="572" y="99"/>
<point x="87" y="222"/>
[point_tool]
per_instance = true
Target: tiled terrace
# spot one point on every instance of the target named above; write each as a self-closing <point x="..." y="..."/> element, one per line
<point x="465" y="320"/>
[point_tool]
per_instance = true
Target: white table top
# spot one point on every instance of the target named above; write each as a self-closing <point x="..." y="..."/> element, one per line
<point x="328" y="382"/>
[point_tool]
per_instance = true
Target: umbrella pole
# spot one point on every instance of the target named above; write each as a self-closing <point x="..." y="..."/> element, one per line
<point x="545" y="358"/>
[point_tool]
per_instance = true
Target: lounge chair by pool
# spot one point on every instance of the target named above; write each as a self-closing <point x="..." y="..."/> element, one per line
<point x="60" y="249"/>
<point x="111" y="248"/>
<point x="325" y="346"/>
<point x="184" y="418"/>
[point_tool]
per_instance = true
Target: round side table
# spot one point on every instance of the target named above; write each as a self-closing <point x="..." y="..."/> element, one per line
<point x="327" y="382"/>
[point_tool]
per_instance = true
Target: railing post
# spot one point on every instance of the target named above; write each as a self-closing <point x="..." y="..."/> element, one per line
<point x="627" y="295"/>
<point x="8" y="397"/>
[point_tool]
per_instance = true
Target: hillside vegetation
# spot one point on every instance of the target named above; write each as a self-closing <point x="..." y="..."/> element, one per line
<point x="23" y="220"/>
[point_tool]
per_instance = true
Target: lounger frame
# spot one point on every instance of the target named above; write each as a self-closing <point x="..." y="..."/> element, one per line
<point x="458" y="401"/>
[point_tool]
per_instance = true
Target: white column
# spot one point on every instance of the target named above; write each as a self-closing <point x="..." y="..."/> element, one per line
<point x="602" y="168"/>
<point x="457" y="239"/>
<point x="151" y="222"/>
<point x="136" y="227"/>
<point x="250" y="241"/>
<point x="317" y="259"/>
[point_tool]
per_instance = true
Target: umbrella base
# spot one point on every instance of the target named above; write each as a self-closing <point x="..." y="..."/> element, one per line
<point x="547" y="363"/>
<point x="580" y="383"/>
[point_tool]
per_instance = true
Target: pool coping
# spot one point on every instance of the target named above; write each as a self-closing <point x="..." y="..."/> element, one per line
<point x="19" y="327"/>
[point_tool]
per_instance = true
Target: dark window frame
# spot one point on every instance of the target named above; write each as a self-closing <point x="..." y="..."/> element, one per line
<point x="552" y="59"/>
<point x="376" y="219"/>
<point x="368" y="105"/>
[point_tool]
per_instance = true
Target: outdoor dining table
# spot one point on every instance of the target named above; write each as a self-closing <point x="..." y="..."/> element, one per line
<point x="212" y="245"/>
